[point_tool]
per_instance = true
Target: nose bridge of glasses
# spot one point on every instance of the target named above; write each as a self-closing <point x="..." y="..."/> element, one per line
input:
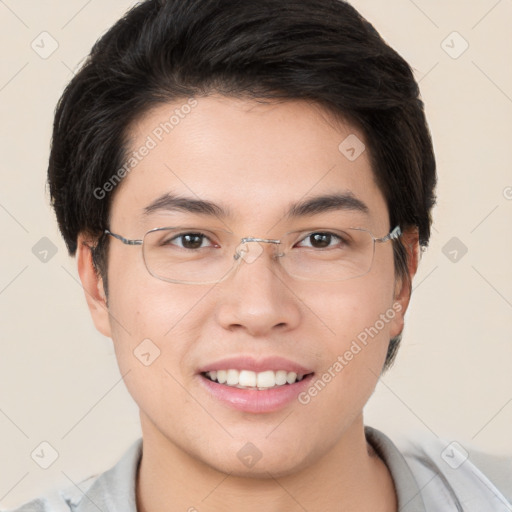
<point x="250" y="248"/>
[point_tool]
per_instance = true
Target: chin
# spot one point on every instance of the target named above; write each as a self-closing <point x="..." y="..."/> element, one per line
<point x="260" y="459"/>
<point x="276" y="466"/>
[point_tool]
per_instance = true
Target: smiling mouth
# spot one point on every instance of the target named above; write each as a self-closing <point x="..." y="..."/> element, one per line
<point x="247" y="379"/>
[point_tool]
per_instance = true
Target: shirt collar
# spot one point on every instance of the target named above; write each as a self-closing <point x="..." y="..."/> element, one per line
<point x="114" y="490"/>
<point x="407" y="490"/>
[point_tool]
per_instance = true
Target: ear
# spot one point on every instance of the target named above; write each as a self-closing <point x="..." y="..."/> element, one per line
<point x="92" y="284"/>
<point x="402" y="296"/>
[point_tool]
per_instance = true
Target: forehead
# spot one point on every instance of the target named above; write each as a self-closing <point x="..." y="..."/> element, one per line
<point x="245" y="156"/>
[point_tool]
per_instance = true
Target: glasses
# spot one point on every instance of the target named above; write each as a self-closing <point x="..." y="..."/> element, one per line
<point x="202" y="256"/>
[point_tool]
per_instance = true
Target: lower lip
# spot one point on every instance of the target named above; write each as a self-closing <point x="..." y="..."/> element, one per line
<point x="254" y="400"/>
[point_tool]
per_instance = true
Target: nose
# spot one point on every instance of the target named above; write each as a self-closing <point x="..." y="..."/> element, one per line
<point x="257" y="297"/>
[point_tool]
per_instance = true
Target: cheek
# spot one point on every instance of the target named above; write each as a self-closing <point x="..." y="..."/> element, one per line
<point x="148" y="315"/>
<point x="349" y="308"/>
<point x="357" y="319"/>
<point x="154" y="328"/>
<point x="139" y="303"/>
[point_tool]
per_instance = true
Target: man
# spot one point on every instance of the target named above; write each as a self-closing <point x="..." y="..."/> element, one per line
<point x="247" y="186"/>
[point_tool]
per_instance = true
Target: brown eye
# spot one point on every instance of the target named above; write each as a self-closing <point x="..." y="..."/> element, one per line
<point x="320" y="240"/>
<point x="190" y="241"/>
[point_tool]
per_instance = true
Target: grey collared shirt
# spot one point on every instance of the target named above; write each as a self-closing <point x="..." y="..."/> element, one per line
<point x="430" y="477"/>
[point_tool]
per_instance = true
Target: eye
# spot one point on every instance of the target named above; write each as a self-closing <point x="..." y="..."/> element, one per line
<point x="320" y="240"/>
<point x="190" y="241"/>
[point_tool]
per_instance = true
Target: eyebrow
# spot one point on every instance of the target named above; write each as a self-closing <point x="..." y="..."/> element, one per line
<point x="331" y="202"/>
<point x="169" y="202"/>
<point x="312" y="206"/>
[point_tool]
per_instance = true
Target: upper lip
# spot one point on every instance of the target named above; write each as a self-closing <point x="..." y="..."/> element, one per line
<point x="254" y="364"/>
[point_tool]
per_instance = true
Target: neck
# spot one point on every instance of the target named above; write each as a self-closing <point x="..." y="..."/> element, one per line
<point x="350" y="477"/>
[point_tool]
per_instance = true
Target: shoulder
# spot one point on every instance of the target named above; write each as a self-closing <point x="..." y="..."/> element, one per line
<point x="432" y="474"/>
<point x="497" y="469"/>
<point x="449" y="471"/>
<point x="112" y="490"/>
<point x="37" y="505"/>
<point x="65" y="500"/>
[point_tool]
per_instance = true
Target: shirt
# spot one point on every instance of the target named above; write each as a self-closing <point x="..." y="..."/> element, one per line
<point x="429" y="477"/>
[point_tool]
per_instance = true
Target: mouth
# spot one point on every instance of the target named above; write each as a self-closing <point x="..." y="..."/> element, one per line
<point x="248" y="379"/>
<point x="255" y="386"/>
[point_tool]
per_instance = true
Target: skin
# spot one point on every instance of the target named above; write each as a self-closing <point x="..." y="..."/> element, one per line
<point x="248" y="157"/>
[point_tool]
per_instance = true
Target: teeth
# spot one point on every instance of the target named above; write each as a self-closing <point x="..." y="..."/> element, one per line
<point x="233" y="376"/>
<point x="281" y="377"/>
<point x="266" y="379"/>
<point x="291" y="377"/>
<point x="248" y="379"/>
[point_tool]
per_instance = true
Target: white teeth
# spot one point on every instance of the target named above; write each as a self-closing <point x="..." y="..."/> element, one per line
<point x="249" y="379"/>
<point x="266" y="379"/>
<point x="281" y="377"/>
<point x="246" y="378"/>
<point x="291" y="377"/>
<point x="233" y="376"/>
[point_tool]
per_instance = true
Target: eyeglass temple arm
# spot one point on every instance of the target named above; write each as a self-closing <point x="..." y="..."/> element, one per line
<point x="122" y="239"/>
<point x="391" y="236"/>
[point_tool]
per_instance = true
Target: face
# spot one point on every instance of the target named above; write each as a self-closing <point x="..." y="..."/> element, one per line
<point x="252" y="170"/>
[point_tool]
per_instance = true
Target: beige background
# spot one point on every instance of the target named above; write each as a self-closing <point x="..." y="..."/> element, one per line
<point x="452" y="379"/>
